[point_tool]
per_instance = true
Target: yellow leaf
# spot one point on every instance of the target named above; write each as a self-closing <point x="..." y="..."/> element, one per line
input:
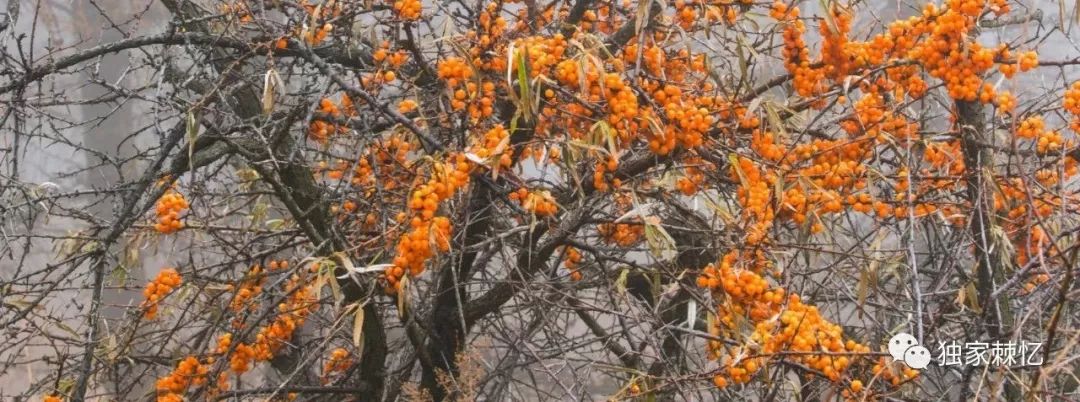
<point x="620" y="282"/>
<point x="403" y="297"/>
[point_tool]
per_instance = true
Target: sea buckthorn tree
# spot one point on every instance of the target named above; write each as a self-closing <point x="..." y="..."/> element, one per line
<point x="534" y="200"/>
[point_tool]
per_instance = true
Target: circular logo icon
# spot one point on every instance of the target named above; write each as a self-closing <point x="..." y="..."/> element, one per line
<point x="900" y="343"/>
<point x="917" y="357"/>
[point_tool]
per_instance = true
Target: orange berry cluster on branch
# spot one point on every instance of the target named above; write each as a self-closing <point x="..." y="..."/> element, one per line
<point x="755" y="196"/>
<point x="189" y="372"/>
<point x="1046" y="141"/>
<point x="686" y="13"/>
<point x="1071" y="103"/>
<point x="340" y="361"/>
<point x="465" y="93"/>
<point x="320" y="130"/>
<point x="1025" y="206"/>
<point x="317" y="35"/>
<point x="584" y="93"/>
<point x="292" y="313"/>
<point x="428" y="233"/>
<point x="624" y="233"/>
<point x="269" y="339"/>
<point x="495" y="144"/>
<point x="1034" y="282"/>
<point x="940" y="41"/>
<point x="540" y="203"/>
<point x="893" y="372"/>
<point x="168" y="211"/>
<point x="318" y="15"/>
<point x="166" y="281"/>
<point x="408" y="10"/>
<point x="384" y="57"/>
<point x="251" y="286"/>
<point x="572" y="262"/>
<point x="692" y="181"/>
<point x="602" y="174"/>
<point x="807" y="80"/>
<point x="407" y="106"/>
<point x="781" y="323"/>
<point x="388" y="156"/>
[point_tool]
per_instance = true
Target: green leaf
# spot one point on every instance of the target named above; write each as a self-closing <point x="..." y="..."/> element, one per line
<point x="119" y="275"/>
<point x="620" y="282"/>
<point x="523" y="83"/>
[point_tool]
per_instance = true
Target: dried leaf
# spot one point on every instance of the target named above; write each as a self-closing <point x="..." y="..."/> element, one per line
<point x="660" y="243"/>
<point x="192" y="134"/>
<point x="270" y="83"/>
<point x="971" y="296"/>
<point x="358" y="326"/>
<point x="403" y="297"/>
<point x="691" y="313"/>
<point x="335" y="287"/>
<point x="862" y="289"/>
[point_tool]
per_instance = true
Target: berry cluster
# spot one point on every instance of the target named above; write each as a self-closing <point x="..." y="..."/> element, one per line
<point x="168" y="211"/>
<point x="317" y="35"/>
<point x="495" y="145"/>
<point x="1046" y="141"/>
<point x="624" y="233"/>
<point x="602" y="174"/>
<point x="692" y="181"/>
<point x="807" y="80"/>
<point x="1071" y="101"/>
<point x="893" y="372"/>
<point x="340" y="361"/>
<point x="428" y="233"/>
<point x="1034" y="282"/>
<point x="166" y="281"/>
<point x="269" y="339"/>
<point x="320" y="130"/>
<point x="408" y="10"/>
<point x="384" y="58"/>
<point x="538" y="202"/>
<point x="189" y="372"/>
<point x="250" y="287"/>
<point x="572" y="261"/>
<point x="407" y="106"/>
<point x="781" y="322"/>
